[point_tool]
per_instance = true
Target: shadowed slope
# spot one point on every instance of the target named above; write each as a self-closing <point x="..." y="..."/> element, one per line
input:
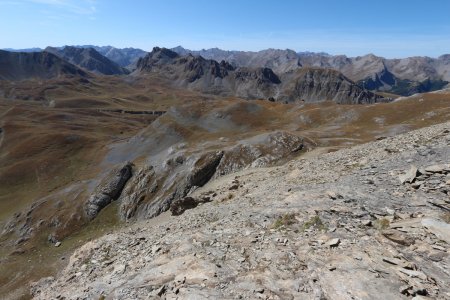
<point x="40" y="65"/>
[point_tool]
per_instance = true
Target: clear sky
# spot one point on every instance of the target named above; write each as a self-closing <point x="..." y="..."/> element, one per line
<point x="391" y="28"/>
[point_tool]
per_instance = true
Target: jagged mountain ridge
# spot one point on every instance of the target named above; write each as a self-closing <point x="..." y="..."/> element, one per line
<point x="42" y="65"/>
<point x="210" y="76"/>
<point x="278" y="60"/>
<point x="404" y="76"/>
<point x="89" y="59"/>
<point x="316" y="84"/>
<point x="124" y="57"/>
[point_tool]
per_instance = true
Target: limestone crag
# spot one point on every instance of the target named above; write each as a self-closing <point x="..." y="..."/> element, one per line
<point x="155" y="187"/>
<point x="108" y="190"/>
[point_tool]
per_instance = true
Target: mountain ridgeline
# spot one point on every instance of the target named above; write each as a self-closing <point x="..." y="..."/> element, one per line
<point x="278" y="75"/>
<point x="35" y="65"/>
<point x="404" y="76"/>
<point x="399" y="76"/>
<point x="210" y="76"/>
<point x="89" y="59"/>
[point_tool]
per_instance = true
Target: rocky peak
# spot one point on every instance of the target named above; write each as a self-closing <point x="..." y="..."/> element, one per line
<point x="163" y="53"/>
<point x="317" y="84"/>
<point x="158" y="57"/>
<point x="261" y="75"/>
<point x="445" y="57"/>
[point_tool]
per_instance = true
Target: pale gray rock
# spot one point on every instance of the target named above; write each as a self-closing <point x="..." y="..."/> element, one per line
<point x="438" y="228"/>
<point x="409" y="176"/>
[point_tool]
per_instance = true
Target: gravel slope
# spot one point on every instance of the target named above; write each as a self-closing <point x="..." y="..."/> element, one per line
<point x="336" y="226"/>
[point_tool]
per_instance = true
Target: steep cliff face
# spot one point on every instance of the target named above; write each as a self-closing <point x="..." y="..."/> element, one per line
<point x="260" y="83"/>
<point x="315" y="85"/>
<point x="39" y="65"/>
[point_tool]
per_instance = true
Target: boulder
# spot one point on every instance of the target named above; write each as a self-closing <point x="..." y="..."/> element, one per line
<point x="409" y="176"/>
<point x="436" y="168"/>
<point x="398" y="237"/>
<point x="438" y="228"/>
<point x="204" y="169"/>
<point x="180" y="206"/>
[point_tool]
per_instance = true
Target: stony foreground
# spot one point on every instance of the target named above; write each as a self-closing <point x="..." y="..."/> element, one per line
<point x="370" y="222"/>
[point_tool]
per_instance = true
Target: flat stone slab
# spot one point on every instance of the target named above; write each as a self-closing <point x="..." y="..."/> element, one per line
<point x="438" y="228"/>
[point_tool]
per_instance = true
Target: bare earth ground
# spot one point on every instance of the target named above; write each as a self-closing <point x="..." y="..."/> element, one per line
<point x="336" y="226"/>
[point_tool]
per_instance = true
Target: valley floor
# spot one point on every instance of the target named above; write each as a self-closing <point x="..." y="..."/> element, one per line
<point x="336" y="226"/>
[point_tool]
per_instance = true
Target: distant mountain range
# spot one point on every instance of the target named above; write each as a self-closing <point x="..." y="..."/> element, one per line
<point x="398" y="76"/>
<point x="125" y="57"/>
<point x="89" y="59"/>
<point x="43" y="65"/>
<point x="210" y="76"/>
<point x="23" y="50"/>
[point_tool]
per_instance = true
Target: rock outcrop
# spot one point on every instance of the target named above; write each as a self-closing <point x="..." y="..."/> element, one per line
<point x="154" y="188"/>
<point x="315" y="85"/>
<point x="108" y="190"/>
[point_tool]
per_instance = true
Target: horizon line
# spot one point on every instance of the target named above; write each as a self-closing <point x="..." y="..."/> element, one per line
<point x="205" y="49"/>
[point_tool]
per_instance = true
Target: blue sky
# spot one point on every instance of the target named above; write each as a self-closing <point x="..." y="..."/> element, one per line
<point x="394" y="28"/>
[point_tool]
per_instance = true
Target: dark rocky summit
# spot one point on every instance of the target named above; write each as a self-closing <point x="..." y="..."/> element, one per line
<point x="316" y="84"/>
